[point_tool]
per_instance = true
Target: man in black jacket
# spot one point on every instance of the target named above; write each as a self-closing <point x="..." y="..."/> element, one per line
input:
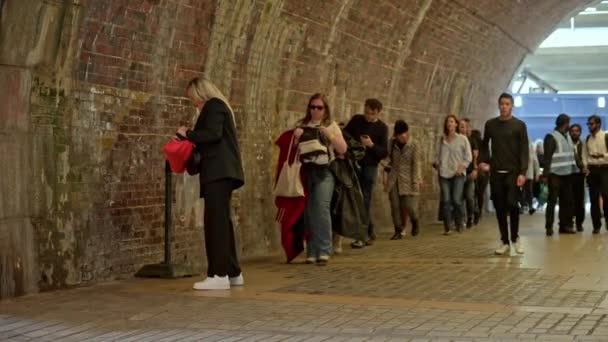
<point x="507" y="163"/>
<point x="373" y="134"/>
<point x="578" y="178"/>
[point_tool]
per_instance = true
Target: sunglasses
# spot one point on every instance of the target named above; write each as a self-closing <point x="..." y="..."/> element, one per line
<point x="311" y="107"/>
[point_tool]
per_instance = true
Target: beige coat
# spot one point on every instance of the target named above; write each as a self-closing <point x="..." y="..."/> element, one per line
<point x="404" y="167"/>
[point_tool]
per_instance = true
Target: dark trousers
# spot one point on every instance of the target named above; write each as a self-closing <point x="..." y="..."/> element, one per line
<point x="219" y="232"/>
<point x="469" y="199"/>
<point x="598" y="185"/>
<point x="367" y="180"/>
<point x="527" y="194"/>
<point x="560" y="188"/>
<point x="481" y="183"/>
<point x="578" y="198"/>
<point x="505" y="195"/>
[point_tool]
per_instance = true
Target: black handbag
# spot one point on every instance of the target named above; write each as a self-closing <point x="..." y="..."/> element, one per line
<point x="193" y="165"/>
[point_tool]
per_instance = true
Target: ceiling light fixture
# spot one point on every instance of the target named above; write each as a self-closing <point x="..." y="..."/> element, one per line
<point x="601" y="102"/>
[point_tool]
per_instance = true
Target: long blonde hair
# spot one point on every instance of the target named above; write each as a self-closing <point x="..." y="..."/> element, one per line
<point x="202" y="89"/>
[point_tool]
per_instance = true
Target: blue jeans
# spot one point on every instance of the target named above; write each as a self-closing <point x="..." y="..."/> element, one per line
<point x="451" y="198"/>
<point x="367" y="179"/>
<point x="317" y="213"/>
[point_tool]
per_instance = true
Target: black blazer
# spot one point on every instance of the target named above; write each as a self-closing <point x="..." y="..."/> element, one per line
<point x="215" y="137"/>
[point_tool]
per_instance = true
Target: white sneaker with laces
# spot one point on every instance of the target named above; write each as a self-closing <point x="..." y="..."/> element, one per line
<point x="503" y="249"/>
<point x="237" y="281"/>
<point x="213" y="283"/>
<point x="519" y="247"/>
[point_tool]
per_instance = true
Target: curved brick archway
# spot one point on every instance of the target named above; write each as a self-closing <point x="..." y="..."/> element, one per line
<point x="95" y="89"/>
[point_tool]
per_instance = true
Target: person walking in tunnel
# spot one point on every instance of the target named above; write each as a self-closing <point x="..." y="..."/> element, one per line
<point x="481" y="182"/>
<point x="220" y="173"/>
<point x="539" y="189"/>
<point x="471" y="174"/>
<point x="453" y="158"/>
<point x="578" y="178"/>
<point x="595" y="160"/>
<point x="402" y="178"/>
<point x="560" y="165"/>
<point x="373" y="134"/>
<point x="532" y="176"/>
<point x="507" y="163"/>
<point x="319" y="140"/>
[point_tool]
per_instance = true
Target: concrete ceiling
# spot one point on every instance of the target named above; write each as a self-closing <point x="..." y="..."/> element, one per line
<point x="575" y="68"/>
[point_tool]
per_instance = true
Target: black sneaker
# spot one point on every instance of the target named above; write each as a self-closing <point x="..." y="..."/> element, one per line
<point x="397" y="236"/>
<point x="596" y="230"/>
<point x="357" y="244"/>
<point x="469" y="224"/>
<point x="532" y="211"/>
<point x="549" y="232"/>
<point x="415" y="228"/>
<point x="579" y="228"/>
<point x="567" y="230"/>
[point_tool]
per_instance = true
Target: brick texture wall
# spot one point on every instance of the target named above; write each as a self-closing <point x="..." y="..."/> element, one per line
<point x="107" y="93"/>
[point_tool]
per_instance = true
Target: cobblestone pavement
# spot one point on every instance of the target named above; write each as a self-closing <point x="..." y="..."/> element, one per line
<point x="431" y="288"/>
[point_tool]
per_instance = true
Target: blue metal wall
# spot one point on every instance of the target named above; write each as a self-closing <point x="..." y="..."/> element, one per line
<point x="539" y="111"/>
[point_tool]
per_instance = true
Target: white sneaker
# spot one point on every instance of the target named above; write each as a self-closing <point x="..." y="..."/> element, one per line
<point x="519" y="247"/>
<point x="237" y="281"/>
<point x="504" y="248"/>
<point x="338" y="250"/>
<point x="213" y="283"/>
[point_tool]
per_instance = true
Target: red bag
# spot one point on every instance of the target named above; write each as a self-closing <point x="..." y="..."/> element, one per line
<point x="177" y="153"/>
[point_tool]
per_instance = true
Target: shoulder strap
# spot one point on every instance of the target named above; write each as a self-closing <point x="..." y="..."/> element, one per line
<point x="606" y="140"/>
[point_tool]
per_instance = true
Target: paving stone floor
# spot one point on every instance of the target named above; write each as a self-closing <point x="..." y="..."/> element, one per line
<point x="431" y="288"/>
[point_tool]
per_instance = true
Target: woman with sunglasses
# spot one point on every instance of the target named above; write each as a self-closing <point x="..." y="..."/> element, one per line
<point x="320" y="180"/>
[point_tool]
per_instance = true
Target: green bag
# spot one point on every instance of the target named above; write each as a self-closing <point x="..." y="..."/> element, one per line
<point x="544" y="193"/>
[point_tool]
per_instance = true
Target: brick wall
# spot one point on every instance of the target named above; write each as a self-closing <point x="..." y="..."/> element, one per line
<point x="107" y="93"/>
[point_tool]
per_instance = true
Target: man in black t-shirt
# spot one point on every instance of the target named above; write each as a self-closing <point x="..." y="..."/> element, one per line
<point x="507" y="163"/>
<point x="469" y="184"/>
<point x="373" y="134"/>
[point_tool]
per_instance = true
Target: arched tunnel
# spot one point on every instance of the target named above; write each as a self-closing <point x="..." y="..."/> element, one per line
<point x="91" y="90"/>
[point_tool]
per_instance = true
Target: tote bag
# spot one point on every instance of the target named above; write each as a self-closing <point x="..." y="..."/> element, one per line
<point x="289" y="183"/>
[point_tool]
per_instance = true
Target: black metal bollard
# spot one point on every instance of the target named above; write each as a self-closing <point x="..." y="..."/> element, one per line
<point x="166" y="269"/>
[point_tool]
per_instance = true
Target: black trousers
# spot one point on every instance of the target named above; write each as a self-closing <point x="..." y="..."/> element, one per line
<point x="505" y="196"/>
<point x="598" y="185"/>
<point x="481" y="183"/>
<point x="219" y="232"/>
<point x="578" y="198"/>
<point x="560" y="188"/>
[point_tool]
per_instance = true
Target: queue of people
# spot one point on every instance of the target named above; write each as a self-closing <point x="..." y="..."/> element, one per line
<point x="327" y="174"/>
